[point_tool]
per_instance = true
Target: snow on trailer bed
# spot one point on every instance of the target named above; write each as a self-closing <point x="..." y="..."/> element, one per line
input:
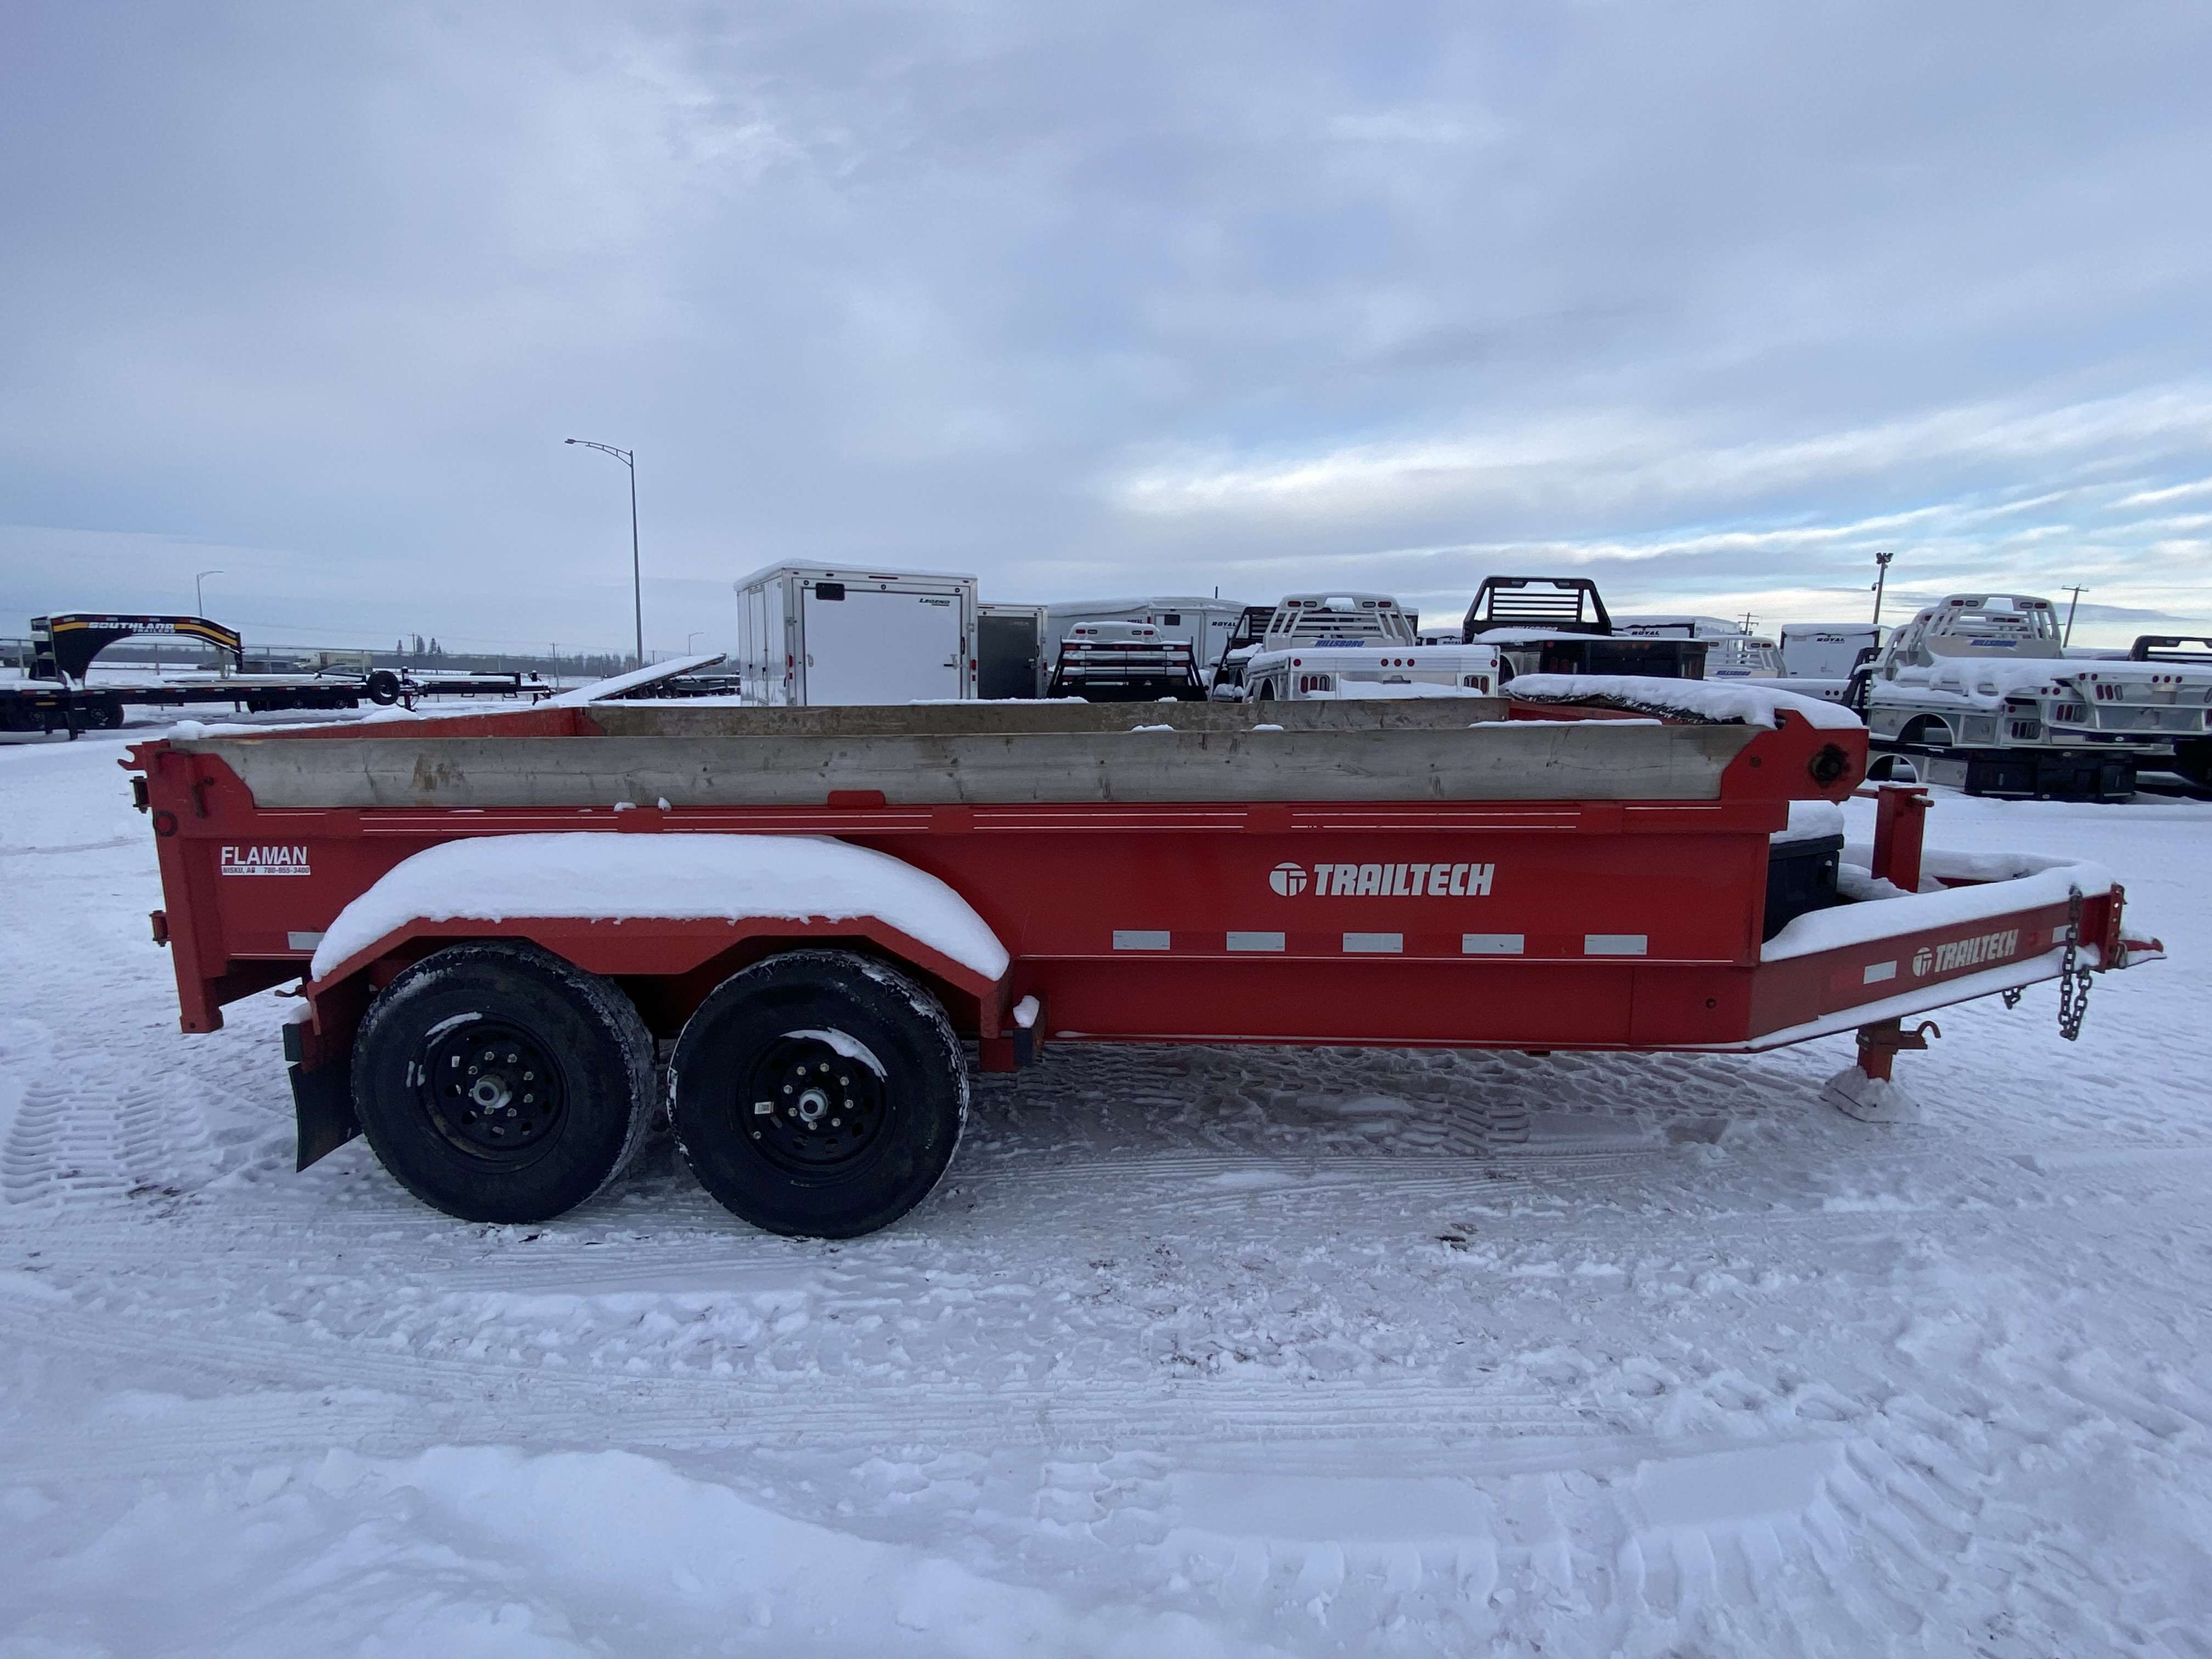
<point x="1201" y="1350"/>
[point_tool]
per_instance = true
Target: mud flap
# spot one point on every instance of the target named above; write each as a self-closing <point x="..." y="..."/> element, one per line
<point x="322" y="1103"/>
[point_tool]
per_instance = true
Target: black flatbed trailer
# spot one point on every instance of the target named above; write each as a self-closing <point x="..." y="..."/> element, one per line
<point x="60" y="696"/>
<point x="46" y="706"/>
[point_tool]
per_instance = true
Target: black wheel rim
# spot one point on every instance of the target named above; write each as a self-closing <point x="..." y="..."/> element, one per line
<point x="808" y="1108"/>
<point x="492" y="1089"/>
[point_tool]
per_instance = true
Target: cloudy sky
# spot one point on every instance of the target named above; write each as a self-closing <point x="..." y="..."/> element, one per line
<point x="1711" y="301"/>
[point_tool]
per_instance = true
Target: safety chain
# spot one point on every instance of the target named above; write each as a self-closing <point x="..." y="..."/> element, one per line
<point x="2073" y="979"/>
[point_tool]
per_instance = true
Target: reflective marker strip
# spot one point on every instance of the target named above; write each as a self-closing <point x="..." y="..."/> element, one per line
<point x="1878" y="971"/>
<point x="2058" y="934"/>
<point x="1126" y="939"/>
<point x="1491" y="944"/>
<point x="302" y="941"/>
<point x="1615" y="944"/>
<point x="1256" y="941"/>
<point x="1375" y="944"/>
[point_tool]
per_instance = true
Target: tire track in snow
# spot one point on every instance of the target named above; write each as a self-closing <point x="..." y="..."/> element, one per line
<point x="431" y="1399"/>
<point x="1697" y="1203"/>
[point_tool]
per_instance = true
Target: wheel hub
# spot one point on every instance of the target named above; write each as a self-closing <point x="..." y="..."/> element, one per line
<point x="807" y="1107"/>
<point x="491" y="1090"/>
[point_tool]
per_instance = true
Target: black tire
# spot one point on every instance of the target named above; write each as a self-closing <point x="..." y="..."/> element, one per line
<point x="383" y="688"/>
<point x="869" y="1076"/>
<point x="482" y="1155"/>
<point x="111" y="714"/>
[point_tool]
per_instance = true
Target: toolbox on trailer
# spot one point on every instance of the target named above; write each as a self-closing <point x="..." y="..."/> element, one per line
<point x="498" y="918"/>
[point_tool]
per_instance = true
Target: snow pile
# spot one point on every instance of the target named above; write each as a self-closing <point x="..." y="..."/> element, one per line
<point x="1750" y="705"/>
<point x="602" y="877"/>
<point x="1946" y="865"/>
<point x="547" y="1555"/>
<point x="1810" y="820"/>
<point x="193" y="730"/>
<point x="1856" y="884"/>
<point x="1865" y="923"/>
<point x="1984" y="683"/>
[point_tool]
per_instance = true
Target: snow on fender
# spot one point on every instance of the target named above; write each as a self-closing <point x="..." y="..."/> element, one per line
<point x="592" y="876"/>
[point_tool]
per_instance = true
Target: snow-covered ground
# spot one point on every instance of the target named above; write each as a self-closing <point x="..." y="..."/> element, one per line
<point x="1198" y="1352"/>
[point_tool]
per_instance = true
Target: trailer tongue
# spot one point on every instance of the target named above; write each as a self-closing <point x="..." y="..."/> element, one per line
<point x="498" y="918"/>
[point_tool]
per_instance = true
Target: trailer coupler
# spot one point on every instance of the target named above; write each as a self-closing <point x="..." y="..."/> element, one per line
<point x="1866" y="1091"/>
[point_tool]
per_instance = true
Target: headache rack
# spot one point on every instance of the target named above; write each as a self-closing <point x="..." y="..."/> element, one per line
<point x="1570" y="604"/>
<point x="1124" y="662"/>
<point x="2172" y="647"/>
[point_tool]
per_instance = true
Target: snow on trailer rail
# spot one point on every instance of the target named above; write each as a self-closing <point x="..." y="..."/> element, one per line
<point x="498" y="917"/>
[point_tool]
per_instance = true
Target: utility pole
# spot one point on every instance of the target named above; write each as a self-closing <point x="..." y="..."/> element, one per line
<point x="2076" y="600"/>
<point x="1880" y="577"/>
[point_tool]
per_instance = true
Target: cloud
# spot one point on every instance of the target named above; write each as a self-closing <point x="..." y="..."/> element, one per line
<point x="1713" y="304"/>
<point x="1608" y="461"/>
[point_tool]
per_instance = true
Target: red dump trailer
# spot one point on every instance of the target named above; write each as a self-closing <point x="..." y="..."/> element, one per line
<point x="514" y="935"/>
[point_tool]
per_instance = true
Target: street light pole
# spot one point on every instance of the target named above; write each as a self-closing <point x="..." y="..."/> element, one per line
<point x="688" y="638"/>
<point x="628" y="458"/>
<point x="1880" y="577"/>
<point x="199" y="604"/>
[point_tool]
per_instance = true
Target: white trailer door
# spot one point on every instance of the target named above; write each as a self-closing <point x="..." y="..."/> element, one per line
<point x="869" y="646"/>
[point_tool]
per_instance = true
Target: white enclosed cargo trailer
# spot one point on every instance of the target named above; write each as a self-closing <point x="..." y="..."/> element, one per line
<point x="814" y="637"/>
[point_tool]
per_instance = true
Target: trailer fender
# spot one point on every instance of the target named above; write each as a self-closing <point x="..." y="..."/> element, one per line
<point x="664" y="905"/>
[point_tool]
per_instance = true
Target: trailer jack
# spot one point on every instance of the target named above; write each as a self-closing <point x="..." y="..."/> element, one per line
<point x="1865" y="1091"/>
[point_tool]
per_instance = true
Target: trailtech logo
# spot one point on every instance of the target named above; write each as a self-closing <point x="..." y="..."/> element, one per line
<point x="1385" y="880"/>
<point x="264" y="861"/>
<point x="1966" y="952"/>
